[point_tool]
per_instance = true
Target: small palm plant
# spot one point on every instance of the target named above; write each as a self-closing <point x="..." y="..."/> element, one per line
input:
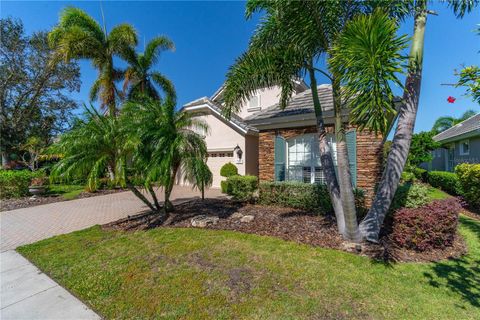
<point x="446" y="122"/>
<point x="163" y="143"/>
<point x="79" y="36"/>
<point x="140" y="79"/>
<point x="200" y="175"/>
<point x="92" y="149"/>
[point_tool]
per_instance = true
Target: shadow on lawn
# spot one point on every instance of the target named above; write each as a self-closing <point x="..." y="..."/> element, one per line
<point x="461" y="276"/>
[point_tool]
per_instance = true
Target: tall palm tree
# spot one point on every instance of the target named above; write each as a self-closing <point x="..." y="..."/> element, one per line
<point x="446" y="122"/>
<point x="139" y="78"/>
<point x="79" y="36"/>
<point x="164" y="142"/>
<point x="397" y="158"/>
<point x="92" y="148"/>
<point x="291" y="37"/>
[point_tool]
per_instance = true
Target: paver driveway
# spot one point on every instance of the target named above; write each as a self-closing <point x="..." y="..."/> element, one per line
<point x="28" y="225"/>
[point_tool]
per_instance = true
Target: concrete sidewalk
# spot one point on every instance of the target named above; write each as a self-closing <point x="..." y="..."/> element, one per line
<point x="27" y="293"/>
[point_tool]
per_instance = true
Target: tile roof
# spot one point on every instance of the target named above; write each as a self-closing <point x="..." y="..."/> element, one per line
<point x="217" y="108"/>
<point x="298" y="104"/>
<point x="466" y="126"/>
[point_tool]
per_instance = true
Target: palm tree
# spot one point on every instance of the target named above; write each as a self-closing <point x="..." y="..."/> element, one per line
<point x="163" y="142"/>
<point x="140" y="79"/>
<point x="79" y="36"/>
<point x="291" y="37"/>
<point x="200" y="175"/>
<point x="446" y="122"/>
<point x="92" y="148"/>
<point x="397" y="158"/>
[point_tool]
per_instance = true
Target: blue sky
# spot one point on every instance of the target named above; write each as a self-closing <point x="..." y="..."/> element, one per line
<point x="210" y="35"/>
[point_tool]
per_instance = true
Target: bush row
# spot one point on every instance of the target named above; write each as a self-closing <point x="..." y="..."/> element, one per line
<point x="240" y="188"/>
<point x="311" y="197"/>
<point x="14" y="183"/>
<point x="469" y="181"/>
<point x="447" y="181"/>
<point x="432" y="226"/>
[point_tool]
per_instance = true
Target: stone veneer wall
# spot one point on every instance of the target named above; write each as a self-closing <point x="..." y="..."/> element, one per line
<point x="369" y="156"/>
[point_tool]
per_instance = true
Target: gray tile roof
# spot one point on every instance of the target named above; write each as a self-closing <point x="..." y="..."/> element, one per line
<point x="298" y="104"/>
<point x="469" y="125"/>
<point x="214" y="106"/>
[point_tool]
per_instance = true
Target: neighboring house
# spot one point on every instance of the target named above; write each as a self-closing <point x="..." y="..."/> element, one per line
<point x="460" y="144"/>
<point x="281" y="145"/>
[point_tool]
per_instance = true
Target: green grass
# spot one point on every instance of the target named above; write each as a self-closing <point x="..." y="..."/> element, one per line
<point x="205" y="274"/>
<point x="68" y="192"/>
<point x="437" y="194"/>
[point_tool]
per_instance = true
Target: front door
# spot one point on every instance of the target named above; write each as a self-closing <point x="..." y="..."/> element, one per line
<point x="450" y="158"/>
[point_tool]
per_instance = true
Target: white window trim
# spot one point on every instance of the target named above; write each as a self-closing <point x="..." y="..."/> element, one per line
<point x="257" y="108"/>
<point x="462" y="152"/>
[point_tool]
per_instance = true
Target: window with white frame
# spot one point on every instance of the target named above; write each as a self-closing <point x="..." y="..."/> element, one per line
<point x="303" y="159"/>
<point x="465" y="147"/>
<point x="254" y="103"/>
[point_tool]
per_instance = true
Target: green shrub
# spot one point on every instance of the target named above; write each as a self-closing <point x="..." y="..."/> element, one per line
<point x="305" y="196"/>
<point x="410" y="196"/>
<point x="14" y="183"/>
<point x="241" y="187"/>
<point x="420" y="174"/>
<point x="407" y="177"/>
<point x="228" y="170"/>
<point x="469" y="179"/>
<point x="447" y="181"/>
<point x="223" y="186"/>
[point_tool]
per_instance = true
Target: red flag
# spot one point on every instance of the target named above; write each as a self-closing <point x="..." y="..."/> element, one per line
<point x="451" y="99"/>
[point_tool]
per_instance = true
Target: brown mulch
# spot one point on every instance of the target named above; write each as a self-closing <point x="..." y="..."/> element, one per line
<point x="285" y="223"/>
<point x="25" y="202"/>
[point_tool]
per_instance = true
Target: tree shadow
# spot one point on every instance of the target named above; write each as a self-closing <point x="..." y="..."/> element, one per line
<point x="462" y="275"/>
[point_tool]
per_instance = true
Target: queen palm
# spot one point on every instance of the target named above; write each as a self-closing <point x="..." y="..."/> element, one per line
<point x="290" y="39"/>
<point x="79" y="36"/>
<point x="446" y="122"/>
<point x="397" y="158"/>
<point x="139" y="78"/>
<point x="163" y="142"/>
<point x="92" y="148"/>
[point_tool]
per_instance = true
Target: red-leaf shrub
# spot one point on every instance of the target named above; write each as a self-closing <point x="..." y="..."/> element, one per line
<point x="432" y="226"/>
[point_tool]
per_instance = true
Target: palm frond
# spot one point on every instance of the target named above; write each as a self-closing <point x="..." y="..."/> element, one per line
<point x="155" y="47"/>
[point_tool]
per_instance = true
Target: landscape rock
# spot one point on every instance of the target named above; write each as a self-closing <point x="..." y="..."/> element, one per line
<point x="247" y="218"/>
<point x="203" y="221"/>
<point x="236" y="215"/>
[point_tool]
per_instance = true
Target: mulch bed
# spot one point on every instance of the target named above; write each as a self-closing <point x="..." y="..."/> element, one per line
<point x="285" y="223"/>
<point x="25" y="202"/>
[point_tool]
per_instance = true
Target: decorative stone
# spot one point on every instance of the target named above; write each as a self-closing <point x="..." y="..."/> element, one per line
<point x="203" y="221"/>
<point x="236" y="215"/>
<point x="247" y="218"/>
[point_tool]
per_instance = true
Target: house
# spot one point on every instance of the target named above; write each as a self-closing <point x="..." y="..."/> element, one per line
<point x="459" y="144"/>
<point x="281" y="145"/>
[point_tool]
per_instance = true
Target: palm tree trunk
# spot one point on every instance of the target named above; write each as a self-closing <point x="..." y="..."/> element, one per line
<point x="168" y="206"/>
<point x="326" y="156"/>
<point x="111" y="173"/>
<point x="154" y="197"/>
<point x="370" y="226"/>
<point x="344" y="175"/>
<point x="140" y="196"/>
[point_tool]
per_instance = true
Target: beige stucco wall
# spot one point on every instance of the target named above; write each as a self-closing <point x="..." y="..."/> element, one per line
<point x="222" y="138"/>
<point x="268" y="97"/>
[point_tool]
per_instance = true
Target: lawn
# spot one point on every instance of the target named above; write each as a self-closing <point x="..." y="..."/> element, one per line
<point x="68" y="192"/>
<point x="437" y="194"/>
<point x="170" y="273"/>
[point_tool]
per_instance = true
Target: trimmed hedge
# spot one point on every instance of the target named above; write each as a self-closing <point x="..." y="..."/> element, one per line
<point x="14" y="183"/>
<point x="432" y="226"/>
<point x="420" y="174"/>
<point x="228" y="170"/>
<point x="305" y="196"/>
<point x="447" y="181"/>
<point x="469" y="179"/>
<point x="410" y="196"/>
<point x="241" y="188"/>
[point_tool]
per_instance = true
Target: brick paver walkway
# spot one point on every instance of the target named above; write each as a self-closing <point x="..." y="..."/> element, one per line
<point x="28" y="225"/>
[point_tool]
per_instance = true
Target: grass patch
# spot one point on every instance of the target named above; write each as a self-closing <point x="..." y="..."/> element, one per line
<point x="200" y="274"/>
<point x="437" y="194"/>
<point x="68" y="192"/>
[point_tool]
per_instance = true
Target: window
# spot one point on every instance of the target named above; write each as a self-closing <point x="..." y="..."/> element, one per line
<point x="465" y="147"/>
<point x="254" y="103"/>
<point x="303" y="159"/>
